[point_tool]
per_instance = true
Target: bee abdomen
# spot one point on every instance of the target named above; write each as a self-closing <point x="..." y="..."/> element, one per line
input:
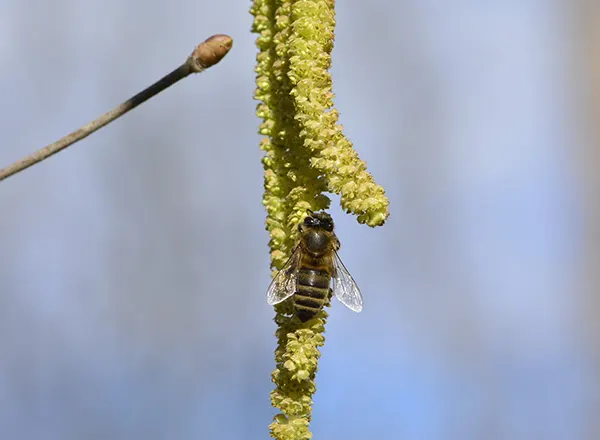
<point x="314" y="278"/>
<point x="312" y="292"/>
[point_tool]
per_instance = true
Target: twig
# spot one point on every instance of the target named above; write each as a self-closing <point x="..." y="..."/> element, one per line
<point x="207" y="54"/>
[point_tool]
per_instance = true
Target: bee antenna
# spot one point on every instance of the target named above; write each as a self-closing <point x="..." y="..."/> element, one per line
<point x="309" y="212"/>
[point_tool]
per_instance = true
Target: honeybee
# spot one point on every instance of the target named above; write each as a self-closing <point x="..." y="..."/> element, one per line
<point x="311" y="268"/>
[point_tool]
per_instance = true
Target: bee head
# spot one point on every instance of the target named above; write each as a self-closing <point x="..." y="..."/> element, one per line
<point x="317" y="220"/>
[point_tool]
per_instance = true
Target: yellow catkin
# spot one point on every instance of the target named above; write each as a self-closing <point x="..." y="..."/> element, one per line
<point x="332" y="154"/>
<point x="306" y="156"/>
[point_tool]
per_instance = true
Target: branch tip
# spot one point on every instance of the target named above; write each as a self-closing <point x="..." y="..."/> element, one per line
<point x="210" y="52"/>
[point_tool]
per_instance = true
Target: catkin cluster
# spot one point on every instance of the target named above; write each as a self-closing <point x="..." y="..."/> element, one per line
<point x="306" y="152"/>
<point x="306" y="156"/>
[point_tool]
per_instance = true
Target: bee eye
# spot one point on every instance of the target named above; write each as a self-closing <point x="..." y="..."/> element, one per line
<point x="309" y="221"/>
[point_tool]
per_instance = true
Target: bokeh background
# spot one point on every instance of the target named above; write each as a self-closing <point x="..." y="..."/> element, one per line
<point x="133" y="266"/>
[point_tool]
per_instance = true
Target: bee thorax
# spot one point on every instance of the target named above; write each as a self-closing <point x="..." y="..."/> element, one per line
<point x="317" y="242"/>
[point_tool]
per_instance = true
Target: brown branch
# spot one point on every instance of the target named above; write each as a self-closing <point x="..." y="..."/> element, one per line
<point x="207" y="54"/>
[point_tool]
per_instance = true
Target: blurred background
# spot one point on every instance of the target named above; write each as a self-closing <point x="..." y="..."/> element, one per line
<point x="133" y="266"/>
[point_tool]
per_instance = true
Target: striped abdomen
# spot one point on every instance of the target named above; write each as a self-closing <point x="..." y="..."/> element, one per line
<point x="312" y="288"/>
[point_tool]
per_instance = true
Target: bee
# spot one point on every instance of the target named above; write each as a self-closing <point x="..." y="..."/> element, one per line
<point x="313" y="266"/>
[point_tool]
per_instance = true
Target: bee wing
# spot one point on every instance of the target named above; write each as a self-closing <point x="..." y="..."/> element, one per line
<point x="344" y="286"/>
<point x="284" y="284"/>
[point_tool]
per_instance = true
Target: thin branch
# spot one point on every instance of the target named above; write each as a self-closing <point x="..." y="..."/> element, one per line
<point x="207" y="54"/>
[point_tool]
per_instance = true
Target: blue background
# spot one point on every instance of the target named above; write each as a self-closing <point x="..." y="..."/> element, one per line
<point x="133" y="266"/>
